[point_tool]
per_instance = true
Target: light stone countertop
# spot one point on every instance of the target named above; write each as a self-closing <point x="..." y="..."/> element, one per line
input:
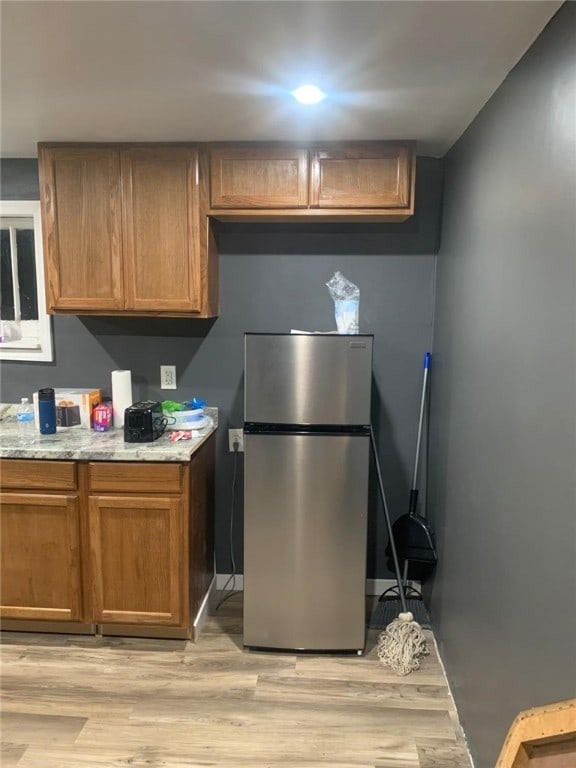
<point x="86" y="445"/>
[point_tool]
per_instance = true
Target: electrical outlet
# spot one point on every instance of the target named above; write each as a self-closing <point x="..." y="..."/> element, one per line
<point x="236" y="436"/>
<point x="167" y="377"/>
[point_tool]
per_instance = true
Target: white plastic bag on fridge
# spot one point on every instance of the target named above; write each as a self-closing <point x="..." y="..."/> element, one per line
<point x="346" y="297"/>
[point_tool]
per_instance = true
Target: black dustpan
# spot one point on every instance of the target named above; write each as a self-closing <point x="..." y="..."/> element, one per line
<point x="413" y="535"/>
<point x="414" y="539"/>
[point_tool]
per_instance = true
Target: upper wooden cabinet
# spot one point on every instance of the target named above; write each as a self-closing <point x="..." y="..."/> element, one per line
<point x="259" y="176"/>
<point x="80" y="191"/>
<point x="362" y="176"/>
<point x="125" y="230"/>
<point x="161" y="221"/>
<point x="344" y="181"/>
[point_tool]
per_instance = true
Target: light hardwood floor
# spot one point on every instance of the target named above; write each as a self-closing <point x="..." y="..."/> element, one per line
<point x="85" y="702"/>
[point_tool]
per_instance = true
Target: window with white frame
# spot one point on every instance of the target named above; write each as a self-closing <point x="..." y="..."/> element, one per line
<point x="25" y="328"/>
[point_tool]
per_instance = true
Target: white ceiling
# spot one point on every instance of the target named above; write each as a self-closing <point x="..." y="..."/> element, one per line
<point x="161" y="70"/>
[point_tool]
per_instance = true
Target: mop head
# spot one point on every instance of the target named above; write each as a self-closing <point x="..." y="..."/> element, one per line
<point x="401" y="645"/>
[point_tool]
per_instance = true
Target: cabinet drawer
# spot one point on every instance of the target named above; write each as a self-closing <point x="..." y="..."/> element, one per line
<point x="115" y="477"/>
<point x="27" y="474"/>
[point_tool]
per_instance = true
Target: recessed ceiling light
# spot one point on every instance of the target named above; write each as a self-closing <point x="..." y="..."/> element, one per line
<point x="308" y="94"/>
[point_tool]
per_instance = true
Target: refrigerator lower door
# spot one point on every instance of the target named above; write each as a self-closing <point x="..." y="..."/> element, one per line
<point x="305" y="528"/>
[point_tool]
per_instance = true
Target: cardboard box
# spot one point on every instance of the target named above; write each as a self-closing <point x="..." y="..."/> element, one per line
<point x="73" y="407"/>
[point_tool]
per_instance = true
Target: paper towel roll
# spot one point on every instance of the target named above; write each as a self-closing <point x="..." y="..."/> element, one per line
<point x="121" y="395"/>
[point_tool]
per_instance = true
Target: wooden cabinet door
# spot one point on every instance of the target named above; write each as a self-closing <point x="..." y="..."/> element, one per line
<point x="161" y="220"/>
<point x="81" y="223"/>
<point x="137" y="559"/>
<point x="362" y="176"/>
<point x="259" y="177"/>
<point x="40" y="557"/>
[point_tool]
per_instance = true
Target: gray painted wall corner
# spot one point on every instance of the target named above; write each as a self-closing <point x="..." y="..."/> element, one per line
<point x="503" y="446"/>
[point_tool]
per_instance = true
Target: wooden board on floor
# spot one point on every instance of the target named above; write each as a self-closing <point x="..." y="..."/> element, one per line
<point x="542" y="737"/>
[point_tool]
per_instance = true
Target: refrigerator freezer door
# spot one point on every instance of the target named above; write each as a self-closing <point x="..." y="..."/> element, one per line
<point x="300" y="379"/>
<point x="305" y="511"/>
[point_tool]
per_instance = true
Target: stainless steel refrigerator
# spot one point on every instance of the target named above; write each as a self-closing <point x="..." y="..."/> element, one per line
<point x="306" y="442"/>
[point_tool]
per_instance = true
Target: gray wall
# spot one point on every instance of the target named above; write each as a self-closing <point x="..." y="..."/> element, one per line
<point x="272" y="279"/>
<point x="502" y="482"/>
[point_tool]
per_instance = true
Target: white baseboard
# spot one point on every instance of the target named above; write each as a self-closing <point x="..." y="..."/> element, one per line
<point x="223" y="578"/>
<point x="203" y="611"/>
<point x="373" y="586"/>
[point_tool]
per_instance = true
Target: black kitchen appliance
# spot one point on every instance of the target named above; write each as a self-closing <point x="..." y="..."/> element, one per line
<point x="144" y="422"/>
<point x="68" y="415"/>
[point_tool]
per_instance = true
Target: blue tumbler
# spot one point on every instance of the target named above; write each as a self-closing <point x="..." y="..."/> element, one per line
<point x="47" y="411"/>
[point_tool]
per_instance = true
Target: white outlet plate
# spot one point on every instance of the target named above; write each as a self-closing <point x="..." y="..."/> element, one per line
<point x="167" y="377"/>
<point x="236" y="435"/>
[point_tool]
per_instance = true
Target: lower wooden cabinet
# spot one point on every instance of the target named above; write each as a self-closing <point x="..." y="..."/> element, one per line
<point x="137" y="559"/>
<point x="129" y="546"/>
<point x="40" y="557"/>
